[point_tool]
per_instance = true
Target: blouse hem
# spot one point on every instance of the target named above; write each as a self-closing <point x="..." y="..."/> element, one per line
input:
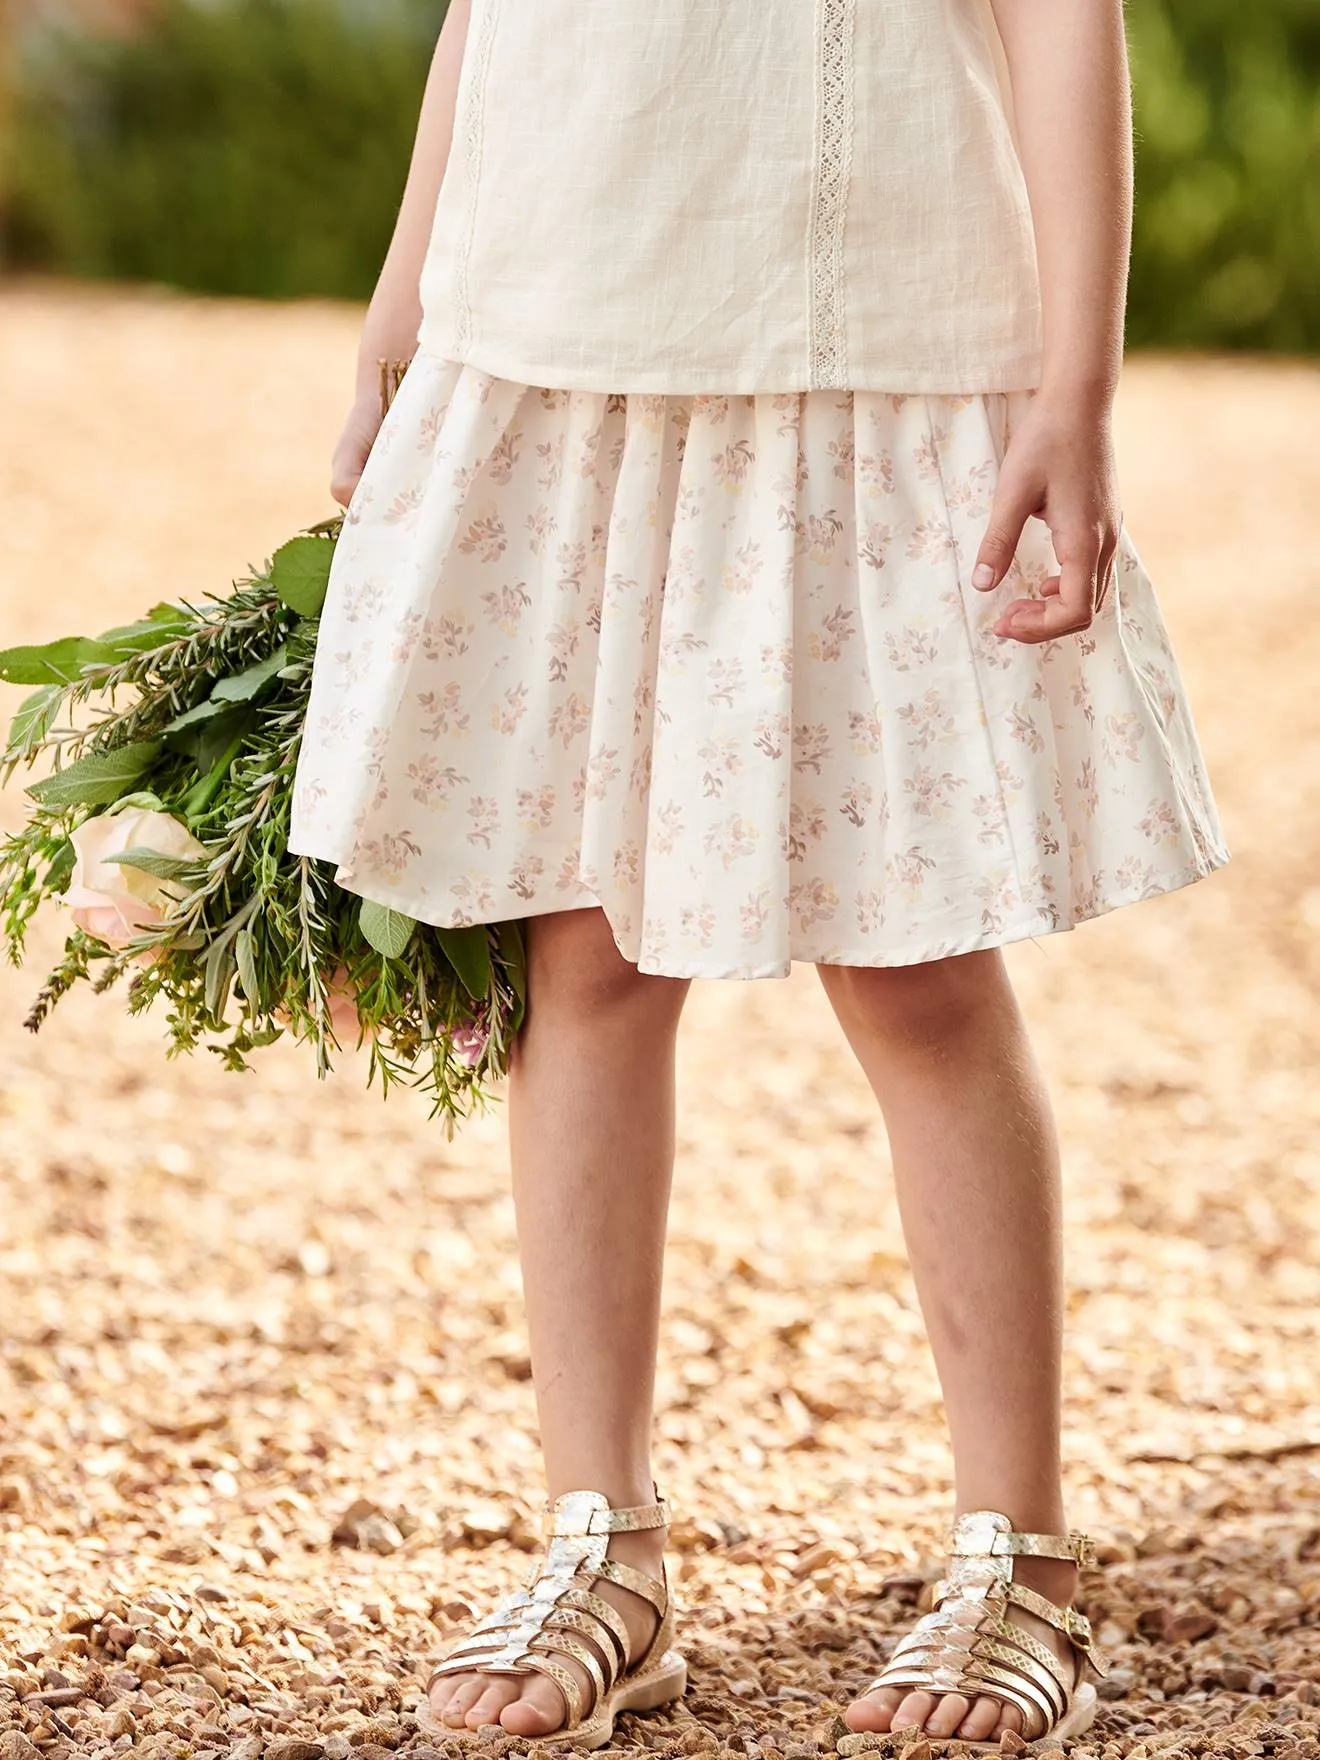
<point x="1019" y="373"/>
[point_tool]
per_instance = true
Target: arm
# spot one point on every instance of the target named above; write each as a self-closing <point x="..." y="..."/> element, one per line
<point x="394" y="314"/>
<point x="1068" y="66"/>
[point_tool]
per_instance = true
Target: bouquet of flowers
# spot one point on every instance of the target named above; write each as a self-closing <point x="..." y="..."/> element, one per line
<point x="161" y="830"/>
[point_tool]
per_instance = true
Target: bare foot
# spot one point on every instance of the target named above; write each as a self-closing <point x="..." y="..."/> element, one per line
<point x="531" y="1704"/>
<point x="981" y="1719"/>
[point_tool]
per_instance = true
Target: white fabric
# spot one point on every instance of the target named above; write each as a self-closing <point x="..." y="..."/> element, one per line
<point x="735" y="196"/>
<point x="716" y="665"/>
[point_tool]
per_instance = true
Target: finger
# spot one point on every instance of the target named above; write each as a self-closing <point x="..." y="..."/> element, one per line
<point x="1016" y="499"/>
<point x="1108" y="571"/>
<point x="1062" y="613"/>
<point x="342" y="487"/>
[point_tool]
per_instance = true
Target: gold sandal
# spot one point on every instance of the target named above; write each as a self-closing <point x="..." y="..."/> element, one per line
<point x="969" y="1645"/>
<point x="556" y="1614"/>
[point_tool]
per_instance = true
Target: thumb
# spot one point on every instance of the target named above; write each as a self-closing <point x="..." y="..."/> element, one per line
<point x="1016" y="499"/>
<point x="351" y="452"/>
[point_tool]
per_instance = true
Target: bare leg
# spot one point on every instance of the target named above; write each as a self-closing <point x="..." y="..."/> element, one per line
<point x="976" y="1168"/>
<point x="591" y="1122"/>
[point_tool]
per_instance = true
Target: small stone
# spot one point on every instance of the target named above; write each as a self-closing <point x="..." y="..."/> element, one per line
<point x="1237" y="1677"/>
<point x="14" y="1745"/>
<point x="1186" y="1625"/>
<point x="1011" y="1742"/>
<point x="294" y="1748"/>
<point x="142" y="1656"/>
<point x="377" y="1533"/>
<point x="1119" y="1683"/>
<point x="337" y="1746"/>
<point x="485" y="1523"/>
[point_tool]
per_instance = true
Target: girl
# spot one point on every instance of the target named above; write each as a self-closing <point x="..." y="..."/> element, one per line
<point x="738" y="577"/>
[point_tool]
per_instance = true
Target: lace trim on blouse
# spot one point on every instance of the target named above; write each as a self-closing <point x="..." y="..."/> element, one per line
<point x="832" y="172"/>
<point x="474" y="124"/>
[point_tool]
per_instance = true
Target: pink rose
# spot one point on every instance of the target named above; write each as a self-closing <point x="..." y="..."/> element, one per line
<point x="468" y="1043"/>
<point x="115" y="903"/>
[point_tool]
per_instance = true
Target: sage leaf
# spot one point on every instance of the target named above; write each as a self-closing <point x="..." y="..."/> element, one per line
<point x="154" y="861"/>
<point x="61" y="867"/>
<point x="32" y="719"/>
<point x="98" y="778"/>
<point x="389" y="932"/>
<point x="468" y="951"/>
<point x="247" y="964"/>
<point x="300" y="573"/>
<point x="220" y="967"/>
<point x="149" y="632"/>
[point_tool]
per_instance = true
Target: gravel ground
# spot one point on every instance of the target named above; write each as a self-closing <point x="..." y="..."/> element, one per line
<point x="266" y="1428"/>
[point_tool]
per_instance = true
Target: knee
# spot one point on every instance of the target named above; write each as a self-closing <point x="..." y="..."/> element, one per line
<point x="924" y="1007"/>
<point x="576" y="973"/>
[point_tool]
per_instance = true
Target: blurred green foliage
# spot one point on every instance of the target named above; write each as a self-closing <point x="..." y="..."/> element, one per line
<point x="1226" y="245"/>
<point x="260" y="147"/>
<point x="233" y="146"/>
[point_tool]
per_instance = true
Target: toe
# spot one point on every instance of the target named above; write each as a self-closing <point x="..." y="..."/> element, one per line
<point x="914" y="1711"/>
<point x="488" y="1708"/>
<point x="981" y="1721"/>
<point x="451" y="1698"/>
<point x="1010" y="1721"/>
<point x="873" y="1712"/>
<point x="948" y="1713"/>
<point x="537" y="1711"/>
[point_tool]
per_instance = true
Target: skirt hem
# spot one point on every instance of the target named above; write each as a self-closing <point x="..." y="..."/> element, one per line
<point x="1035" y="925"/>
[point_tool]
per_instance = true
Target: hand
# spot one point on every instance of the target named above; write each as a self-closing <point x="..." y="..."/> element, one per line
<point x="355" y="442"/>
<point x="1059" y="466"/>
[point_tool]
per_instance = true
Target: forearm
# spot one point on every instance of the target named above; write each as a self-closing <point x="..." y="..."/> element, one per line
<point x="1068" y="65"/>
<point x="393" y="316"/>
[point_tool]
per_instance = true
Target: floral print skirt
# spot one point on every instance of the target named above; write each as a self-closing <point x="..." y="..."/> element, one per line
<point x="715" y="665"/>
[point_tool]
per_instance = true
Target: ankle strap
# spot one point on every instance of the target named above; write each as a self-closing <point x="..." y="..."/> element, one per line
<point x="589" y="1512"/>
<point x="985" y="1533"/>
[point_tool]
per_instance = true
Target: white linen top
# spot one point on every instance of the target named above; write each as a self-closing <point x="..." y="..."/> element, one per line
<point x="735" y="196"/>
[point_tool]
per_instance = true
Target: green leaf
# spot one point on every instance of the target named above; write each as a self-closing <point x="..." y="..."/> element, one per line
<point x="247" y="965"/>
<point x="32" y="719"/>
<point x="513" y="953"/>
<point x="59" y="662"/>
<point x="468" y="951"/>
<point x="220" y="968"/>
<point x="140" y="797"/>
<point x="240" y="687"/>
<point x="154" y="861"/>
<point x="389" y="932"/>
<point x="98" y="778"/>
<point x="148" y="632"/>
<point x="206" y="710"/>
<point x="300" y="573"/>
<point x="61" y="866"/>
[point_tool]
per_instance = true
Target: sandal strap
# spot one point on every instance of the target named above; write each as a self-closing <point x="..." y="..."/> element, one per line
<point x="973" y="1680"/>
<point x="587" y="1512"/>
<point x="649" y="1588"/>
<point x="986" y="1533"/>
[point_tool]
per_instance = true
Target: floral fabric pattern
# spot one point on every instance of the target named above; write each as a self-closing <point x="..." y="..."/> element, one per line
<point x="715" y="664"/>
